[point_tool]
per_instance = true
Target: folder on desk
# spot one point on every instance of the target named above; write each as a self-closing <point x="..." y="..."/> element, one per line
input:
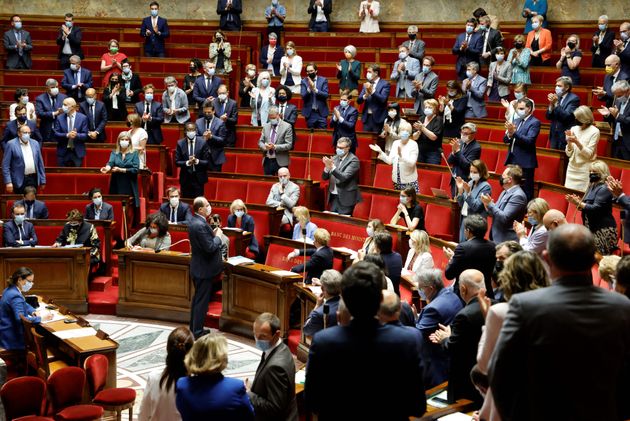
<point x="239" y="260"/>
<point x="76" y="333"/>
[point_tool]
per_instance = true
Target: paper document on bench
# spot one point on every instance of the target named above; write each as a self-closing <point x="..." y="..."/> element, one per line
<point x="456" y="416"/>
<point x="283" y="273"/>
<point x="440" y="400"/>
<point x="239" y="260"/>
<point x="76" y="333"/>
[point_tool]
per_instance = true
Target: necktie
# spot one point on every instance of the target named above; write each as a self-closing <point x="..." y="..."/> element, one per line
<point x="173" y="215"/>
<point x="222" y="108"/>
<point x="467" y="39"/>
<point x="207" y="84"/>
<point x="30" y="211"/>
<point x="21" y="232"/>
<point x="273" y="135"/>
<point x="191" y="149"/>
<point x="208" y="124"/>
<point x="272" y="139"/>
<point x="93" y="120"/>
<point x="282" y="111"/>
<point x="517" y="129"/>
<point x="70" y="128"/>
<point x="52" y="103"/>
<point x="18" y="37"/>
<point x="147" y="110"/>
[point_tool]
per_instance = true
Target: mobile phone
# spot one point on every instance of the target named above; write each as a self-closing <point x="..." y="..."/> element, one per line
<point x="69" y="321"/>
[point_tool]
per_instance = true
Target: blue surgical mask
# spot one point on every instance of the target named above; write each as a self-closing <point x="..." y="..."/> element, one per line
<point x="264" y="83"/>
<point x="154" y="12"/>
<point x="500" y="57"/>
<point x="532" y="221"/>
<point x="148" y="97"/>
<point x="343" y="103"/>
<point x="404" y="135"/>
<point x="340" y="152"/>
<point x="521" y="113"/>
<point x="65" y="109"/>
<point x="602" y="27"/>
<point x="428" y="111"/>
<point x="426" y="69"/>
<point x="469" y="29"/>
<point x="73" y="67"/>
<point x="404" y="200"/>
<point x="469" y="74"/>
<point x="290" y="52"/>
<point x="239" y="213"/>
<point x="535" y="25"/>
<point x="264" y="346"/>
<point x="624" y="35"/>
<point x="98" y="201"/>
<point x="402" y="55"/>
<point x="482" y="27"/>
<point x="559" y="90"/>
<point x="69" y="24"/>
<point x="26" y="137"/>
<point x="519" y="95"/>
<point x="273" y="121"/>
<point x="19" y="219"/>
<point x="210" y="71"/>
<point x="27" y="286"/>
<point x="18" y="25"/>
<point x="90" y="101"/>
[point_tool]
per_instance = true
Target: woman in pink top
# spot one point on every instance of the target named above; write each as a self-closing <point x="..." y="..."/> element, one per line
<point x="111" y="61"/>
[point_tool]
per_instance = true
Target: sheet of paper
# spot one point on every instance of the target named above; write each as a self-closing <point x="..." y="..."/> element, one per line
<point x="316" y="290"/>
<point x="300" y="376"/>
<point x="76" y="333"/>
<point x="441" y="403"/>
<point x="283" y="273"/>
<point x="239" y="260"/>
<point x="56" y="317"/>
<point x="456" y="416"/>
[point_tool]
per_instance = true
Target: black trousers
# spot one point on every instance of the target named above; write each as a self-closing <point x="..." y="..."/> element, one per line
<point x="270" y="166"/>
<point x="199" y="305"/>
<point x="191" y="187"/>
<point x="336" y="206"/>
<point x="29" y="180"/>
<point x="528" y="182"/>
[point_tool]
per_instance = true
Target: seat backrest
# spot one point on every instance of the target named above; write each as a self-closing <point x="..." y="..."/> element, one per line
<point x="383" y="176"/>
<point x="66" y="387"/>
<point x="277" y="256"/>
<point x="23" y="396"/>
<point x="96" y="367"/>
<point x="438" y="222"/>
<point x="28" y="336"/>
<point x="41" y="354"/>
<point x="427" y="179"/>
<point x="555" y="199"/>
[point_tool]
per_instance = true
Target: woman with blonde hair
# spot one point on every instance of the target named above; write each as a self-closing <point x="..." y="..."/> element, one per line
<point x="205" y="393"/>
<point x="239" y="218"/>
<point x="291" y="68"/>
<point x="369" y="246"/>
<point x="539" y="41"/>
<point x="139" y="137"/>
<point x="303" y="229"/>
<point x="123" y="165"/>
<point x="520" y="57"/>
<point x="581" y="148"/>
<point x="419" y="256"/>
<point x="402" y="156"/>
<point x="570" y="58"/>
<point x="263" y="97"/>
<point x="536" y="240"/>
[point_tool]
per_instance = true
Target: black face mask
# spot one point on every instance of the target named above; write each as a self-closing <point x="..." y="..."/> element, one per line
<point x="594" y="177"/>
<point x="312" y="76"/>
<point x="21" y="118"/>
<point x="282" y="98"/>
<point x="113" y="83"/>
<point x="193" y="69"/>
<point x="129" y="124"/>
<point x="209" y="116"/>
<point x="571" y="45"/>
<point x="412" y="36"/>
<point x="518" y="45"/>
<point x="498" y="266"/>
<point x="501" y="182"/>
<point x="29" y="202"/>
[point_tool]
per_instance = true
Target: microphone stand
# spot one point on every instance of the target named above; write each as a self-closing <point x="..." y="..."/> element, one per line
<point x="304" y="251"/>
<point x="308" y="162"/>
<point x="184" y="240"/>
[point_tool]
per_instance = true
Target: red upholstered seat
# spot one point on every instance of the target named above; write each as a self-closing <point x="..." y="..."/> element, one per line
<point x="427" y="179"/>
<point x="115" y="397"/>
<point x="80" y="413"/>
<point x="438" y="221"/>
<point x="257" y="191"/>
<point x="555" y="199"/>
<point x="249" y="164"/>
<point x="33" y="418"/>
<point x="384" y="207"/>
<point x="489" y="157"/>
<point x="383" y="176"/>
<point x="23" y="396"/>
<point x="66" y="394"/>
<point x="362" y="209"/>
<point x="496" y="188"/>
<point x="229" y="190"/>
<point x="548" y="169"/>
<point x="277" y="257"/>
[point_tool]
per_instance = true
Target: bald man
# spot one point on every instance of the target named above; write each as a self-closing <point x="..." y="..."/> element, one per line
<point x="96" y="114"/>
<point x="461" y="338"/>
<point x="553" y="219"/>
<point x="70" y="132"/>
<point x="613" y="74"/>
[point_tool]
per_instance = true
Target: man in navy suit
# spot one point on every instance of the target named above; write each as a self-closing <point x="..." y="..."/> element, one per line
<point x="521" y="136"/>
<point x="22" y="163"/>
<point x="278" y="53"/>
<point x="463" y="153"/>
<point x="11" y="130"/>
<point x="348" y="350"/>
<point x="48" y="107"/>
<point x="176" y="211"/>
<point x="191" y="156"/>
<point x="76" y="80"/>
<point x="69" y="41"/>
<point x="70" y="130"/>
<point x="152" y="115"/>
<point x="18" y="45"/>
<point x="613" y="74"/>
<point x="511" y="206"/>
<point x="622" y="47"/>
<point x="205" y="262"/>
<point x="374" y="93"/>
<point x="344" y="121"/>
<point x="213" y="131"/>
<point x="35" y="209"/>
<point x="18" y="232"/>
<point x="154" y="29"/>
<point x="468" y="46"/>
<point x="98" y="209"/>
<point x="321" y="256"/>
<point x="562" y="103"/>
<point x="230" y="12"/>
<point x="314" y="90"/>
<point x="206" y="86"/>
<point x="619" y="117"/>
<point x="330" y="296"/>
<point x="227" y="110"/>
<point x="320" y="11"/>
<point x="96" y="114"/>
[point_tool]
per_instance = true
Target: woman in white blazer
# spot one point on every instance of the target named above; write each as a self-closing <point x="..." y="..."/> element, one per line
<point x="419" y="256"/>
<point x="174" y="102"/>
<point x="581" y="149"/>
<point x="402" y="157"/>
<point x="291" y="68"/>
<point x="368" y="13"/>
<point x="499" y="77"/>
<point x="263" y="96"/>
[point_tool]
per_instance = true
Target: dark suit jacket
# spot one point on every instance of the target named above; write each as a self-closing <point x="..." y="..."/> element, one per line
<point x="320" y="98"/>
<point x="598" y="207"/>
<point x="476" y="253"/>
<point x="462" y="349"/>
<point x="347" y="128"/>
<point x="524" y="139"/>
<point x="230" y="108"/>
<point x="74" y="38"/>
<point x="206" y="261"/>
<point x="273" y="390"/>
<point x="315" y="321"/>
<point x="624" y="121"/>
<point x="83" y="236"/>
<point x="69" y="80"/>
<point x="605" y="48"/>
<point x="216" y="143"/>
<point x="11" y="234"/>
<point x="200" y="93"/>
<point x="107" y="212"/>
<point x="470" y="54"/>
<point x="183" y="212"/>
<point x="247" y="224"/>
<point x="12" y="306"/>
<point x="321" y="259"/>
<point x="13" y="57"/>
<point x="495" y="39"/>
<point x="213" y="397"/>
<point x="96" y="124"/>
<point x="13" y="165"/>
<point x="562" y="118"/>
<point x="347" y="179"/>
<point x="60" y="130"/>
<point x="346" y="351"/>
<point x="393" y="264"/>
<point x="44" y="111"/>
<point x="312" y="10"/>
<point x="197" y="172"/>
<point x="154" y="43"/>
<point x="275" y="61"/>
<point x="460" y="161"/>
<point x="119" y="114"/>
<point x="235" y="11"/>
<point x="40" y="211"/>
<point x="10" y="131"/>
<point x="608" y="96"/>
<point x="624" y="57"/>
<point x="154" y="125"/>
<point x="377" y="102"/>
<point x="135" y="85"/>
<point x="546" y="334"/>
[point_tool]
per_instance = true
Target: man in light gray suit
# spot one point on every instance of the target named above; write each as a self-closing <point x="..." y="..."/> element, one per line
<point x="424" y="84"/>
<point x="174" y="102"/>
<point x="414" y="45"/>
<point x="18" y="45"/>
<point x="284" y="194"/>
<point x="343" y="173"/>
<point x="511" y="206"/>
<point x="404" y="72"/>
<point x="275" y="142"/>
<point x="474" y="87"/>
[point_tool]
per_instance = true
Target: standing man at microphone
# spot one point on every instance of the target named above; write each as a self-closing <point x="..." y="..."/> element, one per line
<point x="205" y="262"/>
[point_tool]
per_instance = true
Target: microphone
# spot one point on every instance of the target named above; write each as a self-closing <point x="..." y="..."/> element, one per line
<point x="450" y="170"/>
<point x="185" y="240"/>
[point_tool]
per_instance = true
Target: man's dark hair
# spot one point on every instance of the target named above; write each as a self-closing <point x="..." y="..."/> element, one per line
<point x="208" y="104"/>
<point x="30" y="189"/>
<point x="476" y="224"/>
<point x="154" y="3"/>
<point x="472" y="20"/>
<point x="383" y="241"/>
<point x="272" y="319"/>
<point x="479" y="12"/>
<point x="361" y="290"/>
<point x="69" y="15"/>
<point x="571" y="248"/>
<point x="623" y="273"/>
<point x="95" y="190"/>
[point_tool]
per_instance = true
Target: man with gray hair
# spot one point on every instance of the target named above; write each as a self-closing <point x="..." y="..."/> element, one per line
<point x="174" y="102"/>
<point x="618" y="116"/>
<point x="442" y="306"/>
<point x="47" y="107"/>
<point x="461" y="338"/>
<point x="602" y="42"/>
<point x="76" y="79"/>
<point x="414" y="45"/>
<point x="621" y="47"/>
<point x="562" y="103"/>
<point x="463" y="152"/>
<point x="276" y="140"/>
<point x="325" y="312"/>
<point x="343" y="173"/>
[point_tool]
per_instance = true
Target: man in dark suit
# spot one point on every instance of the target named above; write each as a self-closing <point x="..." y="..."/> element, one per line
<point x="374" y="93"/>
<point x="622" y="47"/>
<point x="96" y="114"/>
<point x="491" y="39"/>
<point x="532" y="371"/>
<point x="273" y="391"/>
<point x="324" y="314"/>
<point x="424" y="84"/>
<point x="154" y="29"/>
<point x="278" y="53"/>
<point x="76" y="80"/>
<point x="18" y="45"/>
<point x="521" y="137"/>
<point x="343" y="173"/>
<point x="348" y="350"/>
<point x="314" y="90"/>
<point x="11" y="130"/>
<point x="18" y="232"/>
<point x="176" y="211"/>
<point x="69" y="41"/>
<point x="230" y="14"/>
<point x="206" y="86"/>
<point x="191" y="156"/>
<point x="152" y="115"/>
<point x="413" y="44"/>
<point x="276" y="141"/>
<point x="205" y="262"/>
<point x="467" y="48"/>
<point x="463" y="153"/>
<point x="130" y="82"/>
<point x="35" y="209"/>
<point x="22" y="163"/>
<point x="226" y="110"/>
<point x="212" y="128"/>
<point x="344" y="121"/>
<point x="320" y="11"/>
<point x="286" y="112"/>
<point x="511" y="206"/>
<point x="602" y="46"/>
<point x="613" y="74"/>
<point x="321" y="256"/>
<point x="619" y="117"/>
<point x="562" y="103"/>
<point x="98" y="209"/>
<point x="461" y="339"/>
<point x="47" y="107"/>
<point x="70" y="129"/>
<point x="474" y="253"/>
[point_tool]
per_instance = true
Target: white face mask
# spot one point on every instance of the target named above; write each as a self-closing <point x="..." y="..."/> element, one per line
<point x="54" y="91"/>
<point x="222" y="97"/>
<point x="174" y="201"/>
<point x="411" y="244"/>
<point x="208" y="210"/>
<point x="474" y="176"/>
<point x="171" y="89"/>
<point x="392" y="114"/>
<point x="251" y="73"/>
<point x="124" y="144"/>
<point x="191" y="135"/>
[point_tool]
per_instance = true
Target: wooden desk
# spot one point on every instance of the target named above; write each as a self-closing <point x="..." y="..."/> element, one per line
<point x="154" y="285"/>
<point x="59" y="272"/>
<point x="251" y="290"/>
<point x="433" y="413"/>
